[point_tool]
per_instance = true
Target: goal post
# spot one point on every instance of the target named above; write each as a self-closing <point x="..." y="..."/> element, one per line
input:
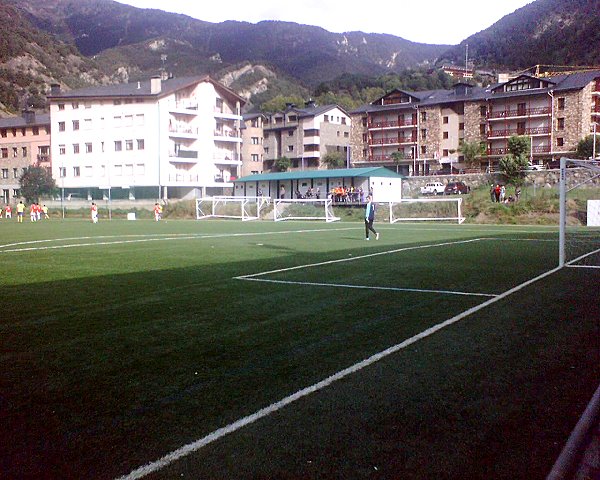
<point x="221" y="206"/>
<point x="427" y="209"/>
<point x="579" y="220"/>
<point x="303" y="209"/>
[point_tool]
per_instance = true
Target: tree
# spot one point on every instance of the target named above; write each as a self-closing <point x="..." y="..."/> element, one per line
<point x="333" y="160"/>
<point x="585" y="147"/>
<point x="471" y="151"/>
<point x="282" y="164"/>
<point x="397" y="157"/>
<point x="279" y="103"/>
<point x="514" y="165"/>
<point x="36" y="182"/>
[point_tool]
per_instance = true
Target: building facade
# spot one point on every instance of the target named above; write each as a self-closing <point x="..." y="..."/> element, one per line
<point x="252" y="144"/>
<point x="162" y="138"/>
<point x="306" y="135"/>
<point x="419" y="133"/>
<point x="24" y="142"/>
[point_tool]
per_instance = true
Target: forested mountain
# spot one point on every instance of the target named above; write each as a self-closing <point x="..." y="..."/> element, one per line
<point x="549" y="32"/>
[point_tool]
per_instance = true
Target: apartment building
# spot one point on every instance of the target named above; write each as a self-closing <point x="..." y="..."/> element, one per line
<point x="24" y="142"/>
<point x="419" y="133"/>
<point x="252" y="144"/>
<point x="160" y="138"/>
<point x="305" y="135"/>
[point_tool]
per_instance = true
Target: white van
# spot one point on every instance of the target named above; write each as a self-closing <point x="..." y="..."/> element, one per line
<point x="433" y="188"/>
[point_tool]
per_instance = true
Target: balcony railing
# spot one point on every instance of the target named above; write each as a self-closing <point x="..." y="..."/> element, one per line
<point x="43" y="158"/>
<point x="184" y="154"/>
<point x="517" y="131"/>
<point x="183" y="178"/>
<point x="387" y="158"/>
<point x="186" y="106"/>
<point x="226" y="133"/>
<point x="183" y="130"/>
<point x="393" y="124"/>
<point x="504" y="150"/>
<point x="520" y="112"/>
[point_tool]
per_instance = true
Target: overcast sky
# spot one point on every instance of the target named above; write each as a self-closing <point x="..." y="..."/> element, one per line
<point x="425" y="21"/>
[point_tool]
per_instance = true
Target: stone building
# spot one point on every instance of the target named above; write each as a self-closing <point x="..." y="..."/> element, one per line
<point x="419" y="133"/>
<point x="252" y="144"/>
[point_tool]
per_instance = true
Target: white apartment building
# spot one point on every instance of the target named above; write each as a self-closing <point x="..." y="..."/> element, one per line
<point x="161" y="138"/>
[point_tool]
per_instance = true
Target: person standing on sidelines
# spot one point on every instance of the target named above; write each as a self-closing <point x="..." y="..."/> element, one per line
<point x="369" y="218"/>
<point x="94" y="212"/>
<point x="8" y="212"/>
<point x="157" y="212"/>
<point x="33" y="212"/>
<point x="20" y="211"/>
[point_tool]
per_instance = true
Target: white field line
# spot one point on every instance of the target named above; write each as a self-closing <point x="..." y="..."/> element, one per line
<point x="575" y="260"/>
<point x="153" y="238"/>
<point x="367" y="287"/>
<point x="274" y="407"/>
<point x="351" y="259"/>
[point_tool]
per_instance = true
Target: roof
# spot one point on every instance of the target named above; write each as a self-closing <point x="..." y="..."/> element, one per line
<point x="142" y="89"/>
<point x="336" y="173"/>
<point x="17" y="122"/>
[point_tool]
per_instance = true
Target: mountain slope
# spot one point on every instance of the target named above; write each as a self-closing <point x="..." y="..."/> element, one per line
<point x="310" y="54"/>
<point x="550" y="32"/>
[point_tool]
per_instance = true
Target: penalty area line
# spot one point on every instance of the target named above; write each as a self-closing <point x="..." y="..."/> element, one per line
<point x="192" y="447"/>
<point x="368" y="287"/>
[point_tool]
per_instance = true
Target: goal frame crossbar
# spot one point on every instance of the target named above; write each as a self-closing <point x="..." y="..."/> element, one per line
<point x="459" y="218"/>
<point x="328" y="214"/>
<point x="244" y="203"/>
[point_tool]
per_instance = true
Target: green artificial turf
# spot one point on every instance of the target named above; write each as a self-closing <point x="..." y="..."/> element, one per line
<point x="123" y="341"/>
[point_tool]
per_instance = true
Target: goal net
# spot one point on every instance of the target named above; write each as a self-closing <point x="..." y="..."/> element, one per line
<point x="579" y="228"/>
<point x="433" y="209"/>
<point x="303" y="209"/>
<point x="242" y="208"/>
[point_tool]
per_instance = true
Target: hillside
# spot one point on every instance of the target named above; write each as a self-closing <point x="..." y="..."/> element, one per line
<point x="146" y="39"/>
<point x="550" y="32"/>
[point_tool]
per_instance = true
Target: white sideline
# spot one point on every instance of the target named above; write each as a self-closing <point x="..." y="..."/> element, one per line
<point x="264" y="412"/>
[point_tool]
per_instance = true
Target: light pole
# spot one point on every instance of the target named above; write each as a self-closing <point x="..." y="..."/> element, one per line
<point x="594" y="142"/>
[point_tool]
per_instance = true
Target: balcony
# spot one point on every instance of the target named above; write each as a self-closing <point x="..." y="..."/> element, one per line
<point x="533" y="131"/>
<point x="388" y="158"/>
<point x="227" y="136"/>
<point x="184" y="156"/>
<point x="223" y="113"/>
<point x="186" y="178"/>
<point x="539" y="149"/>
<point x="520" y="112"/>
<point x="41" y="158"/>
<point x="183" y="132"/>
<point x="185" y="107"/>
<point x="226" y="160"/>
<point x="392" y="124"/>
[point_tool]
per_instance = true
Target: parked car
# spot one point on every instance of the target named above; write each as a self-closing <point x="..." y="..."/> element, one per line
<point x="534" y="168"/>
<point x="456" y="188"/>
<point x="433" y="188"/>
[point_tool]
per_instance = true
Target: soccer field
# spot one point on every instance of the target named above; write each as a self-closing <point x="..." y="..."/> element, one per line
<point x="290" y="350"/>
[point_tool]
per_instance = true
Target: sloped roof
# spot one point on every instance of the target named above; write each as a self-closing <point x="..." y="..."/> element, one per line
<point x="336" y="173"/>
<point x="142" y="89"/>
<point x="18" y="122"/>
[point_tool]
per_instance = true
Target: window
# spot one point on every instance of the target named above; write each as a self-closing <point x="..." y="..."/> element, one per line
<point x="128" y="145"/>
<point x="482" y="110"/>
<point x="290" y="133"/>
<point x="346" y="134"/>
<point x="5" y="173"/>
<point x="364" y="122"/>
<point x="15" y="173"/>
<point x="343" y="120"/>
<point x="365" y="137"/>
<point x="87" y="124"/>
<point x="16" y="192"/>
<point x="87" y="171"/>
<point x="88" y="148"/>
<point x="560" y="123"/>
<point x="62" y="149"/>
<point x="445" y="120"/>
<point x="267" y="150"/>
<point x="461" y="126"/>
<point x="445" y="135"/>
<point x="140" y="143"/>
<point x="255" y="157"/>
<point x="337" y="133"/>
<point x="118" y="170"/>
<point x="117" y="121"/>
<point x="140" y="169"/>
<point x="76" y="172"/>
<point x="75" y="124"/>
<point x="254" y="140"/>
<point x="561" y="103"/>
<point x="62" y="172"/>
<point x="75" y="105"/>
<point x="290" y="148"/>
<point x="423" y="149"/>
<point x="15" y="151"/>
<point x="423" y="133"/>
<point x="560" y="142"/>
<point x="129" y="169"/>
<point x="118" y="145"/>
<point x="61" y="106"/>
<point x="423" y="116"/>
<point x="35" y="130"/>
<point x="128" y="121"/>
<point x="482" y="129"/>
<point x="445" y="152"/>
<point x="116" y="102"/>
<point x="23" y="152"/>
<point x="326" y="118"/>
<point x="139" y="119"/>
<point x="75" y="148"/>
<point x="4" y="152"/>
<point x="61" y="126"/>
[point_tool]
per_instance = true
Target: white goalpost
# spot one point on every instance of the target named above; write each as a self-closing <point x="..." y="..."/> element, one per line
<point x="427" y="209"/>
<point x="579" y="225"/>
<point x="303" y="209"/>
<point x="221" y="206"/>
